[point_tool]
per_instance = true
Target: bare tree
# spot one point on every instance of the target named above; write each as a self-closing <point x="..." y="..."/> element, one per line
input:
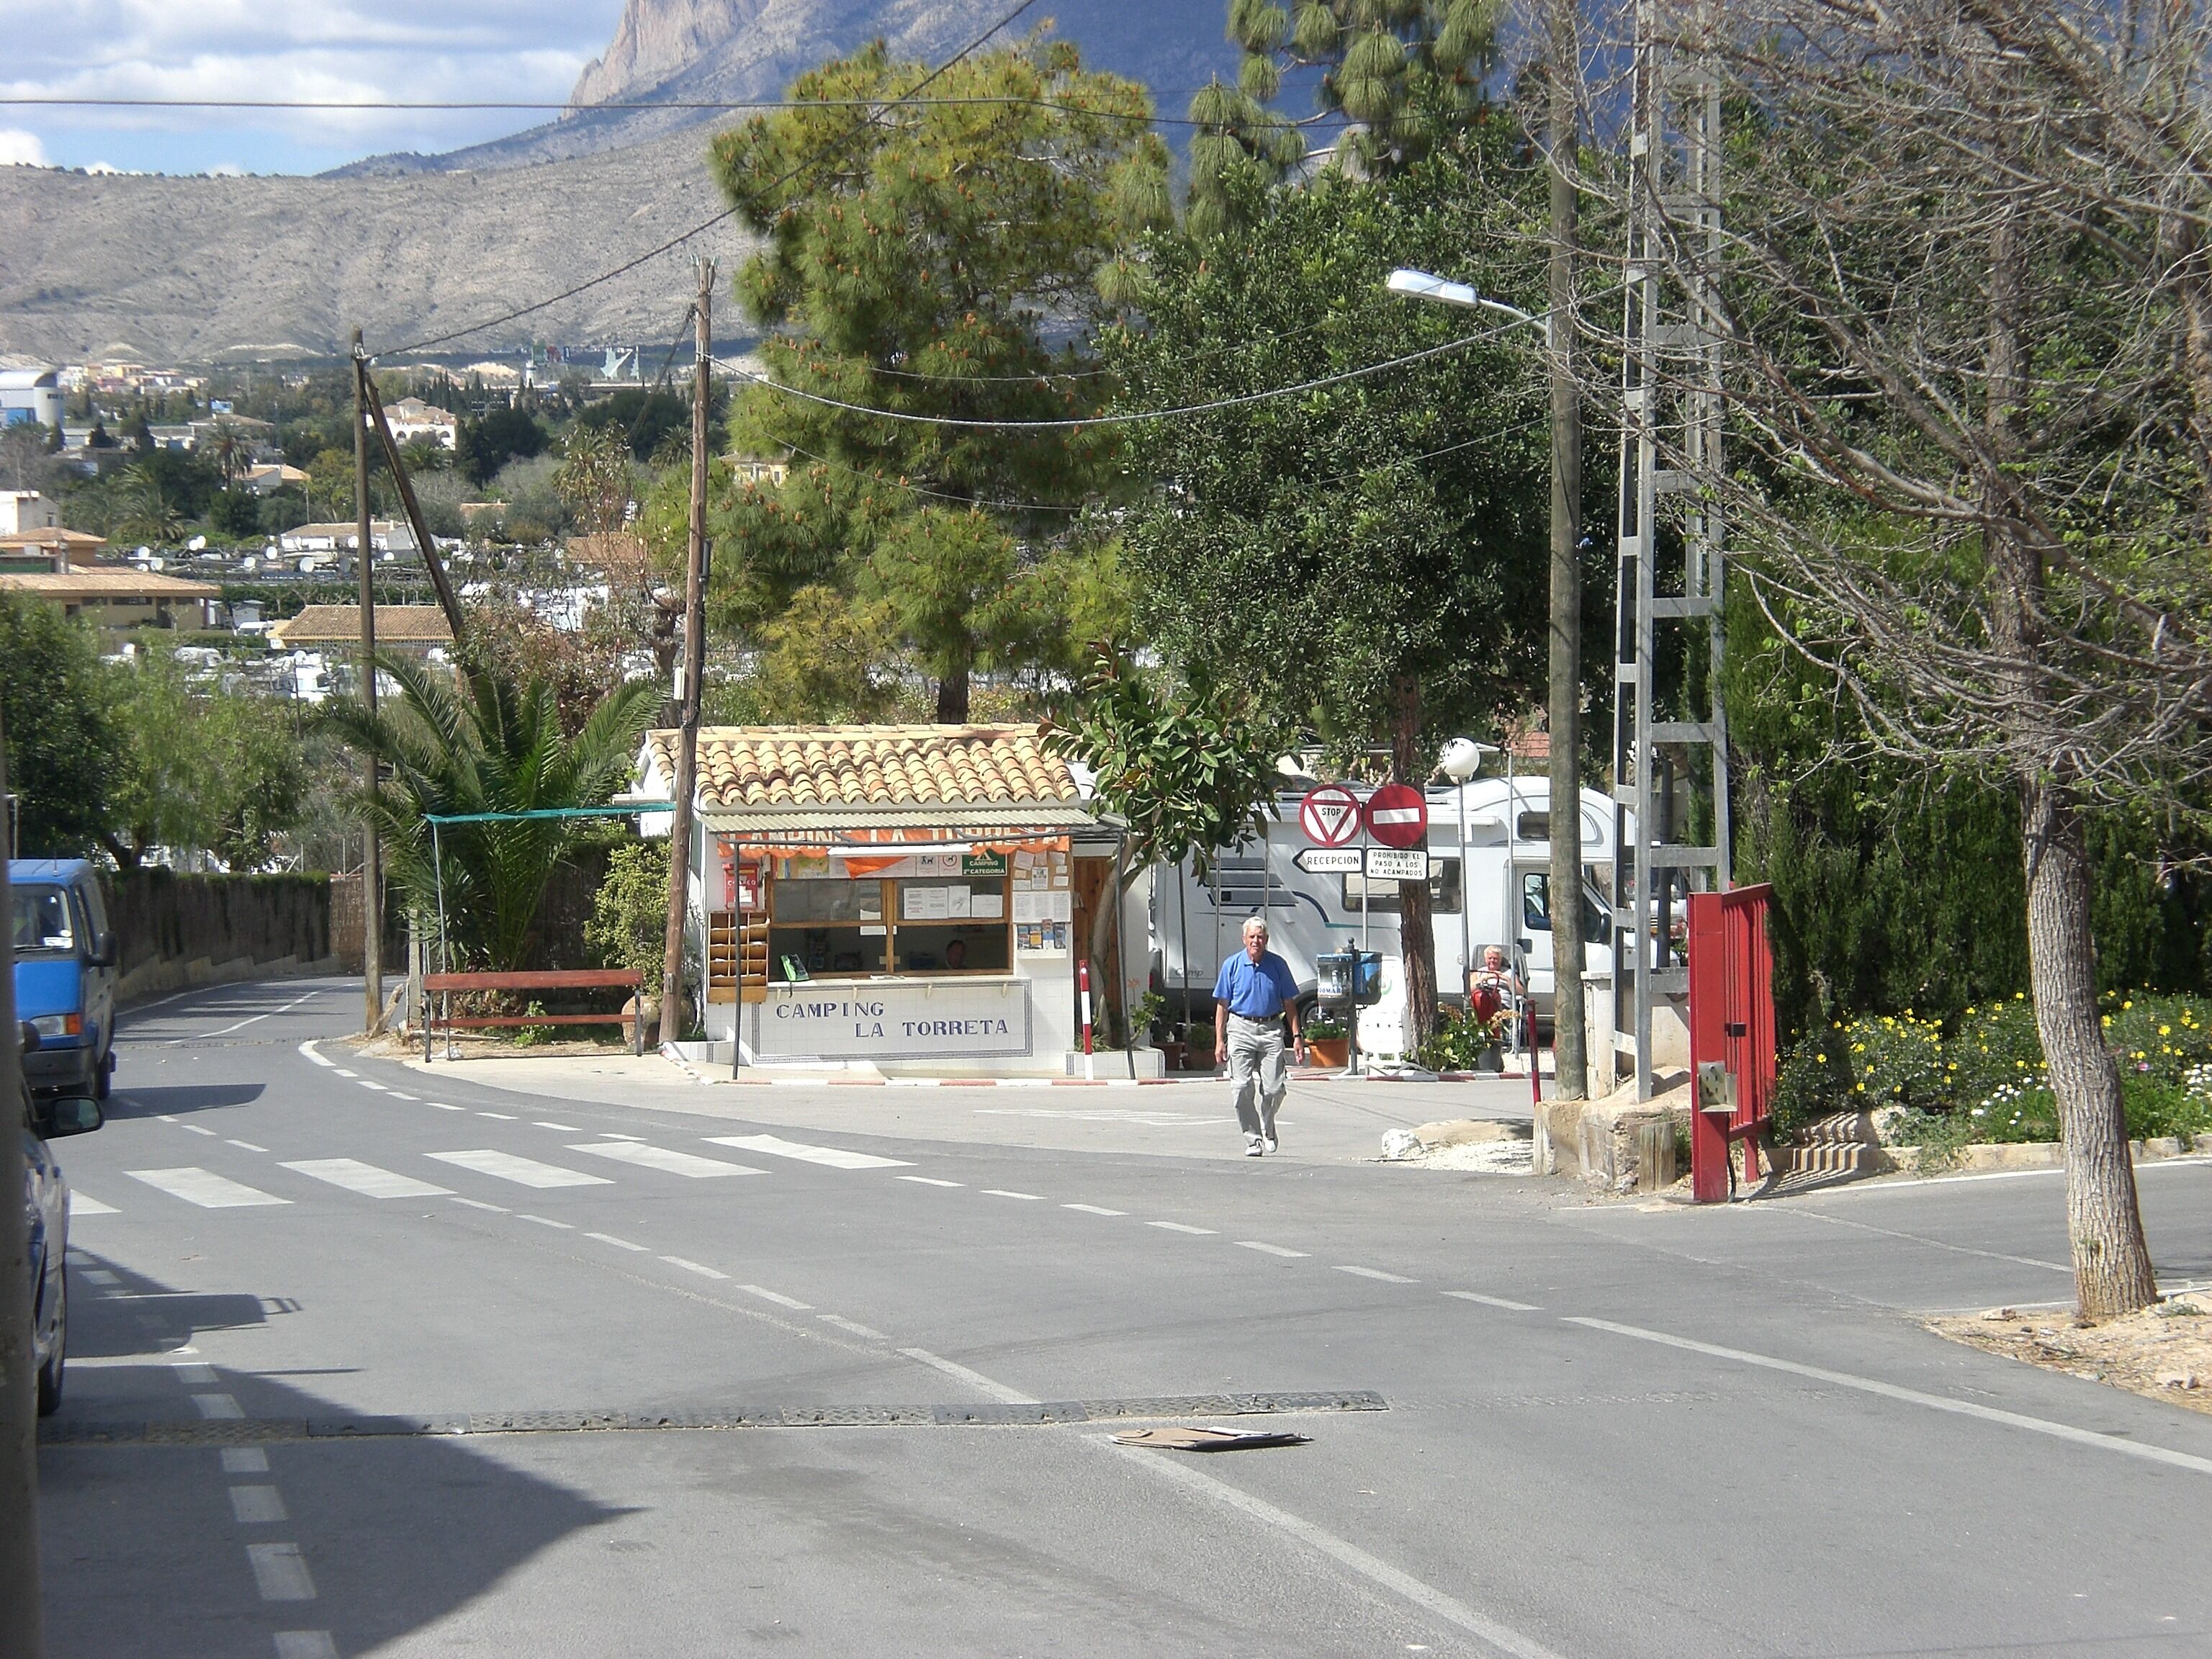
<point x="1967" y="305"/>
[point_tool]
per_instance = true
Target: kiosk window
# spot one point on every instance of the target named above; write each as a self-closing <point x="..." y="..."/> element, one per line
<point x="828" y="925"/>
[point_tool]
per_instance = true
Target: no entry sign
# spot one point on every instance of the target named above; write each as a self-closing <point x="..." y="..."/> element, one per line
<point x="1329" y="816"/>
<point x="1397" y="815"/>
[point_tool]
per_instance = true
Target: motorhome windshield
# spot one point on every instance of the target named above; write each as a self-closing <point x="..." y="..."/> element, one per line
<point x="43" y="919"/>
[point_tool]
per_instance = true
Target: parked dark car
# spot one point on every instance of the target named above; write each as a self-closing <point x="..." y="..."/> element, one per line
<point x="46" y="1207"/>
<point x="64" y="974"/>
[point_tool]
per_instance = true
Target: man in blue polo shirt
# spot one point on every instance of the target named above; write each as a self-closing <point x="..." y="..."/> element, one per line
<point x="1252" y="994"/>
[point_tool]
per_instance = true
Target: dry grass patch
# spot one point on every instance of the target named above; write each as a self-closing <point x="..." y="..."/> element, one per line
<point x="2164" y="1352"/>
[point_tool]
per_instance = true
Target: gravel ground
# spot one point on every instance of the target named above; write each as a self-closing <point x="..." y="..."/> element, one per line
<point x="2165" y="1352"/>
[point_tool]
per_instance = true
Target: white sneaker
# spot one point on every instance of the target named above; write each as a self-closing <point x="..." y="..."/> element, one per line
<point x="1253" y="1145"/>
<point x="1268" y="1143"/>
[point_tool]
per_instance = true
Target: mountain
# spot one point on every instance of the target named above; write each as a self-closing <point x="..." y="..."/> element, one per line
<point x="194" y="270"/>
<point x="201" y="269"/>
<point x="733" y="51"/>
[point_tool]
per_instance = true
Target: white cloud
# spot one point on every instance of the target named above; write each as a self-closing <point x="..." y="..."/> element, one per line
<point x="411" y="50"/>
<point x="19" y="148"/>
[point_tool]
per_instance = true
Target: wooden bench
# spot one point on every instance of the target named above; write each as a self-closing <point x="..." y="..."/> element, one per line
<point x="567" y="979"/>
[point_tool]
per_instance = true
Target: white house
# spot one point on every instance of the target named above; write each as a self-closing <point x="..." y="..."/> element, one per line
<point x="411" y="418"/>
<point x="25" y="510"/>
<point x="30" y="394"/>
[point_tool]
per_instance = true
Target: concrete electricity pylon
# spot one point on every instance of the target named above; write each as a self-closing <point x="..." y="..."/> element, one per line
<point x="1670" y="732"/>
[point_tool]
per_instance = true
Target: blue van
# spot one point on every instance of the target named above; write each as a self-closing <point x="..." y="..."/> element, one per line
<point x="64" y="974"/>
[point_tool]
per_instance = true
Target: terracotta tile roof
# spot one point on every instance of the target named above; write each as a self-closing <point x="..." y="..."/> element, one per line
<point x="108" y="585"/>
<point x="340" y="624"/>
<point x="872" y="766"/>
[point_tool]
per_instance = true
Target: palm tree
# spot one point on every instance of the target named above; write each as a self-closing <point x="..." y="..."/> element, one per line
<point x="148" y="514"/>
<point x="486" y="744"/>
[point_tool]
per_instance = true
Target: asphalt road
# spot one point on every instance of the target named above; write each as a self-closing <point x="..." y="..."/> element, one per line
<point x="352" y="1374"/>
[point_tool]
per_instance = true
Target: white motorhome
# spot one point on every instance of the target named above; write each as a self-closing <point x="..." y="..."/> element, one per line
<point x="1501" y="871"/>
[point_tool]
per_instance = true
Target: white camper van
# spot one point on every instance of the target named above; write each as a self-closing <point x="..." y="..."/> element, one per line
<point x="1495" y="890"/>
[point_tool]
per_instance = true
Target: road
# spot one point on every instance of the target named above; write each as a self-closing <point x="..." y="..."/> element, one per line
<point x="369" y="1361"/>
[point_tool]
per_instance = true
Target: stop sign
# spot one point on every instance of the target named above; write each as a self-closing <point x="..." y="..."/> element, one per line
<point x="1398" y="816"/>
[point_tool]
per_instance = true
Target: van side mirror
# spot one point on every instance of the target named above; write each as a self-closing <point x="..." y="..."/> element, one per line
<point x="30" y="1037"/>
<point x="102" y="954"/>
<point x="70" y="1114"/>
<point x="1524" y="945"/>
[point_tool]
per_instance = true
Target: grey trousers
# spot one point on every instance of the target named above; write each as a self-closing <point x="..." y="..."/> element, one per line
<point x="1260" y="1068"/>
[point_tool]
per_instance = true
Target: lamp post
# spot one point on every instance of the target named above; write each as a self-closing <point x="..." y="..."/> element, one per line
<point x="1460" y="760"/>
<point x="1564" y="688"/>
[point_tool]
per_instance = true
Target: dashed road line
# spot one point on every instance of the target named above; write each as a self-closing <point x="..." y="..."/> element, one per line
<point x="248" y="1147"/>
<point x="1001" y="1192"/>
<point x="619" y="1243"/>
<point x="778" y="1297"/>
<point x="1179" y="1227"/>
<point x="1270" y="1249"/>
<point x="853" y="1325"/>
<point x="280" y="1572"/>
<point x="309" y="1051"/>
<point x="341" y="1071"/>
<point x="401" y="1094"/>
<point x="245" y="1460"/>
<point x="86" y="1203"/>
<point x="100" y="1276"/>
<point x="256" y="1506"/>
<point x="564" y="1128"/>
<point x="478" y="1204"/>
<point x="1093" y="1209"/>
<point x="929" y="1181"/>
<point x="195" y="1373"/>
<point x="688" y="1266"/>
<point x="504" y="1117"/>
<point x="306" y="1644"/>
<point x="197" y="1130"/>
<point x="218" y="1406"/>
<point x="442" y="1107"/>
<point x="371" y="1083"/>
<point x="545" y="1221"/>
<point x="1505" y="1302"/>
<point x="1376" y="1273"/>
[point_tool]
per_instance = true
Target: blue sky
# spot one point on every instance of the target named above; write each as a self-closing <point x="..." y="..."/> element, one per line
<point x="409" y="50"/>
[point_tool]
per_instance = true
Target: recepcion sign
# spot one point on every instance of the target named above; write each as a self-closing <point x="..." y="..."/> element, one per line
<point x="895" y="1019"/>
<point x="1329" y="860"/>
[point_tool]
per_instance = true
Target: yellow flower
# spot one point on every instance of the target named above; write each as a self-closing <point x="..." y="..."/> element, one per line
<point x="1819" y="1059"/>
<point x="2165" y="1031"/>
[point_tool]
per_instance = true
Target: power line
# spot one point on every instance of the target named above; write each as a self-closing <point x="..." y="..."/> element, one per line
<point x="700" y="229"/>
<point x="755" y="104"/>
<point x="1130" y="417"/>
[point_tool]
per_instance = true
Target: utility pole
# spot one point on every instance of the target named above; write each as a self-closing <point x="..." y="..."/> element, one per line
<point x="1670" y="405"/>
<point x="20" y="1632"/>
<point x="695" y="665"/>
<point x="1570" y="1048"/>
<point x="372" y="869"/>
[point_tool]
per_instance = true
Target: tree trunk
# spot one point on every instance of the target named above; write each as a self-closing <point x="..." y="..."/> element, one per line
<point x="1417" y="937"/>
<point x="2112" y="1261"/>
<point x="952" y="698"/>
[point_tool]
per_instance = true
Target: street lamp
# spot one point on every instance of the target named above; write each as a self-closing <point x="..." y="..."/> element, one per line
<point x="1569" y="1041"/>
<point x="1421" y="285"/>
<point x="1460" y="760"/>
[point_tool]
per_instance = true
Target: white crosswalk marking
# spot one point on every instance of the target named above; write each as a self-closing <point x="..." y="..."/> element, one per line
<point x="86" y="1203"/>
<point x="256" y="1506"/>
<point x="367" y="1179"/>
<point x="280" y="1572"/>
<point x="204" y="1187"/>
<point x="524" y="1172"/>
<point x="836" y="1157"/>
<point x="667" y="1162"/>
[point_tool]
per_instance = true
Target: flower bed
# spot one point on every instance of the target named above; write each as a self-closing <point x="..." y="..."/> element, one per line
<point x="1982" y="1079"/>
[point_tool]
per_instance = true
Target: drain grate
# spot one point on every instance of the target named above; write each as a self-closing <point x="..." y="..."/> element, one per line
<point x="239" y="1431"/>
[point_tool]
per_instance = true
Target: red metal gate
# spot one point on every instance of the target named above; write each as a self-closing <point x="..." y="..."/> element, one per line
<point x="1731" y="1034"/>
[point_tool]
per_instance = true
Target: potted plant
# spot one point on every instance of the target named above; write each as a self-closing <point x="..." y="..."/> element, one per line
<point x="1198" y="1047"/>
<point x="1327" y="1042"/>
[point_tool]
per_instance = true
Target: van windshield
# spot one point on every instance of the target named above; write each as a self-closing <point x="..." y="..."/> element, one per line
<point x="43" y="919"/>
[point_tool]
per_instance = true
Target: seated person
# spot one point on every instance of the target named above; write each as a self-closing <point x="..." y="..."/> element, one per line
<point x="956" y="955"/>
<point x="1491" y="987"/>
